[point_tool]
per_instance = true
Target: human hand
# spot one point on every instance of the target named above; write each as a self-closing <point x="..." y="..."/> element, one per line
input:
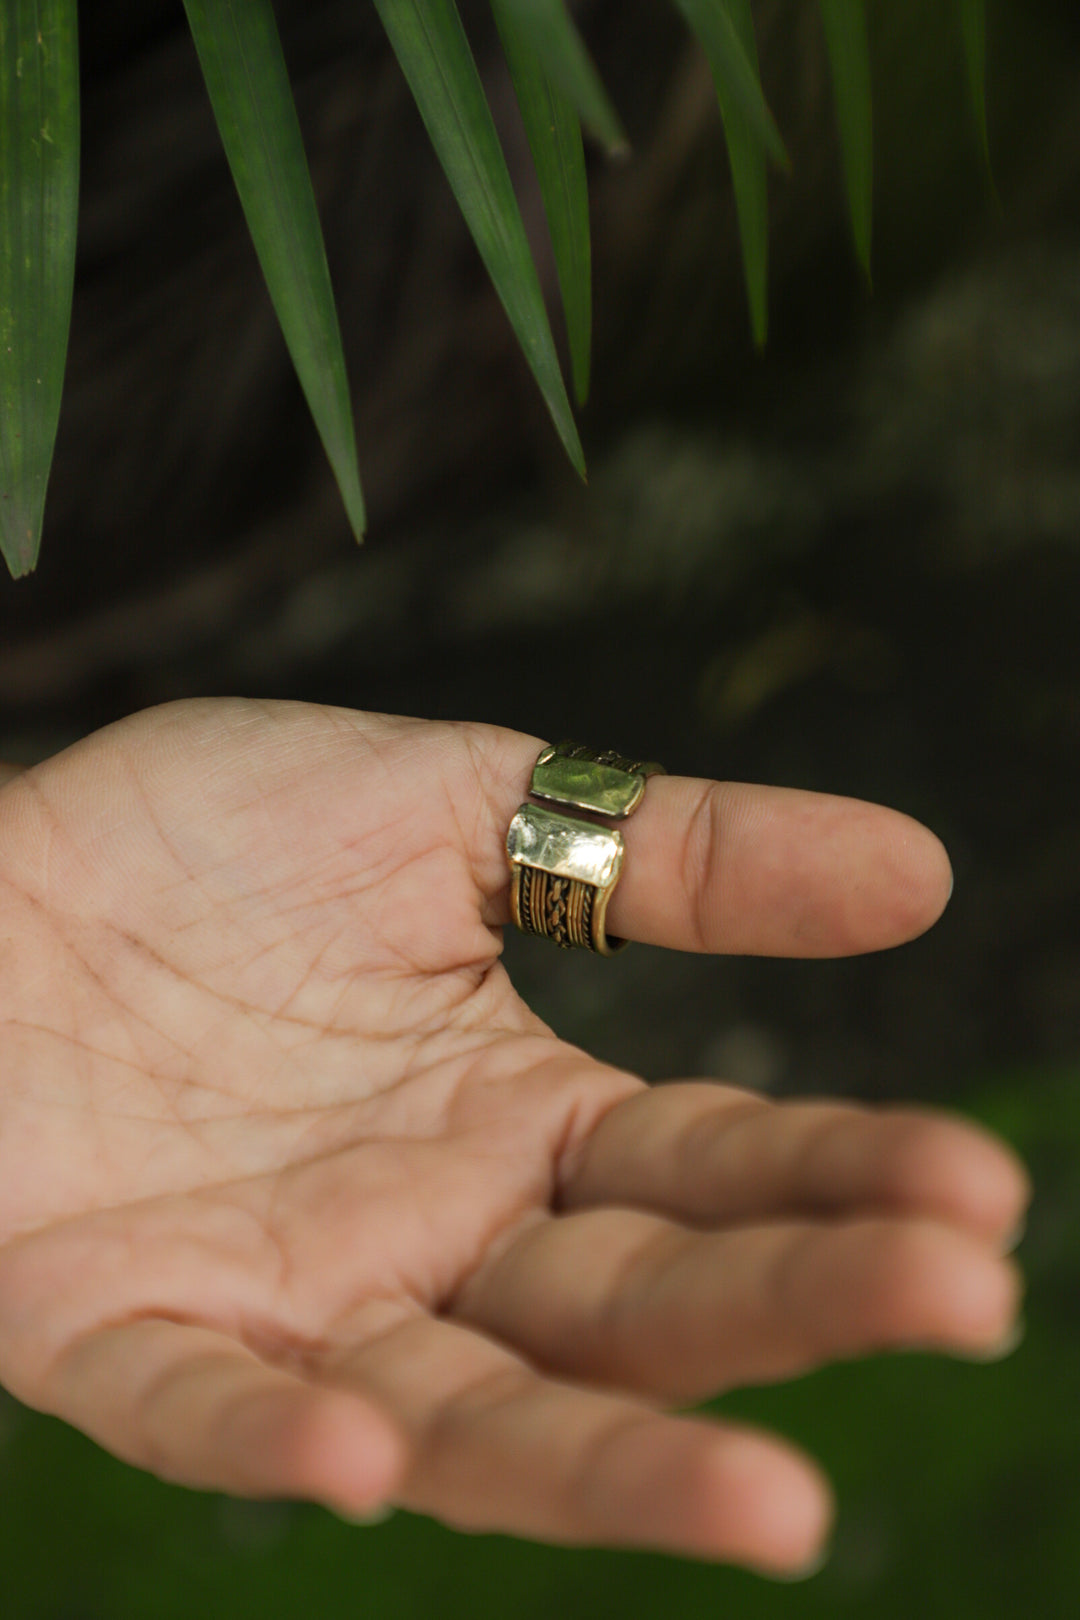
<point x="298" y="1197"/>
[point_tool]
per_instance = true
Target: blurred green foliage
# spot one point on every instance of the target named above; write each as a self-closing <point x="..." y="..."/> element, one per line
<point x="959" y="1490"/>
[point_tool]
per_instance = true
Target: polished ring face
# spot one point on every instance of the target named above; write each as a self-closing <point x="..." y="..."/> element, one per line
<point x="563" y="871"/>
<point x="564" y="846"/>
<point x="563" y="867"/>
<point x="587" y="784"/>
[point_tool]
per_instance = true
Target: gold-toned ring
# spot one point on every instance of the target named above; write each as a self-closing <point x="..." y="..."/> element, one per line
<point x="564" y="868"/>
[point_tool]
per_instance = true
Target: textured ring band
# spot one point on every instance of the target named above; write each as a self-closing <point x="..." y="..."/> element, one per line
<point x="563" y="867"/>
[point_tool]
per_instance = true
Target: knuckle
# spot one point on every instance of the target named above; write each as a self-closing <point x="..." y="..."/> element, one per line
<point x="699" y="866"/>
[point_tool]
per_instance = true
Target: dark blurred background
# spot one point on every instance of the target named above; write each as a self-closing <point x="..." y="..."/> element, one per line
<point x="851" y="564"/>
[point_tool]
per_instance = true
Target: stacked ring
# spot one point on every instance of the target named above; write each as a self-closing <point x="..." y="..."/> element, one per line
<point x="564" y="868"/>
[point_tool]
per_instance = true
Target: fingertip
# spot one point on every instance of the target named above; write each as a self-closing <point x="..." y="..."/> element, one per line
<point x="805" y="1572"/>
<point x="943" y="884"/>
<point x="1000" y="1349"/>
<point x="1002" y="1197"/>
<point x="953" y="1166"/>
<point x="777" y="1507"/>
<point x="367" y="1519"/>
<point x="949" y="1292"/>
<point x="999" y="1192"/>
<point x="1014" y="1236"/>
<point x="1001" y="1301"/>
<point x="349" y="1456"/>
<point x="924" y="879"/>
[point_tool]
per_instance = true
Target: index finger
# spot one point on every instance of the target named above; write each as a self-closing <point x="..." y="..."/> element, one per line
<point x="727" y="867"/>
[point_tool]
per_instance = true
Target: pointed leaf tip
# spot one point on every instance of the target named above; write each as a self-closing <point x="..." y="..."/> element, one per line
<point x="553" y="131"/>
<point x="747" y="149"/>
<point x="434" y="54"/>
<point x="973" y="26"/>
<point x="847" y="40"/>
<point x="240" y="53"/>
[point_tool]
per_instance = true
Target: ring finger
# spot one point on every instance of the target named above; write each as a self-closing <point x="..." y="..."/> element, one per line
<point x="497" y="1446"/>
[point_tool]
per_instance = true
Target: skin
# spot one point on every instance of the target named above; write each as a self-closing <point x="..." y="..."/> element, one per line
<point x="298" y="1197"/>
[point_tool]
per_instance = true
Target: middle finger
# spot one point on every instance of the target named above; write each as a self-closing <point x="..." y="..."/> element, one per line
<point x="640" y="1303"/>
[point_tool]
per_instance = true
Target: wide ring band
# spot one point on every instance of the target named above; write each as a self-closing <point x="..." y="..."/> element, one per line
<point x="564" y="868"/>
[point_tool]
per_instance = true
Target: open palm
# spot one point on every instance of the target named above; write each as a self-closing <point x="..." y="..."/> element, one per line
<point x="299" y="1198"/>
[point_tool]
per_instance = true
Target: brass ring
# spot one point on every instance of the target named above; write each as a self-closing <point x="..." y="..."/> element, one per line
<point x="564" y="868"/>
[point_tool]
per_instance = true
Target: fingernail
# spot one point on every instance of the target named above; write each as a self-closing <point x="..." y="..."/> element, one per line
<point x="1015" y="1237"/>
<point x="366" y="1517"/>
<point x="1005" y="1346"/>
<point x="805" y="1572"/>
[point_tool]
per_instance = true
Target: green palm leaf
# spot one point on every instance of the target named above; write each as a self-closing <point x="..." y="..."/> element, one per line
<point x="747" y="152"/>
<point x="973" y="22"/>
<point x="545" y="28"/>
<point x="39" y="188"/>
<point x="245" y="73"/>
<point x="849" y="58"/>
<point x="430" y="44"/>
<point x="554" y="134"/>
<point x="734" y="68"/>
